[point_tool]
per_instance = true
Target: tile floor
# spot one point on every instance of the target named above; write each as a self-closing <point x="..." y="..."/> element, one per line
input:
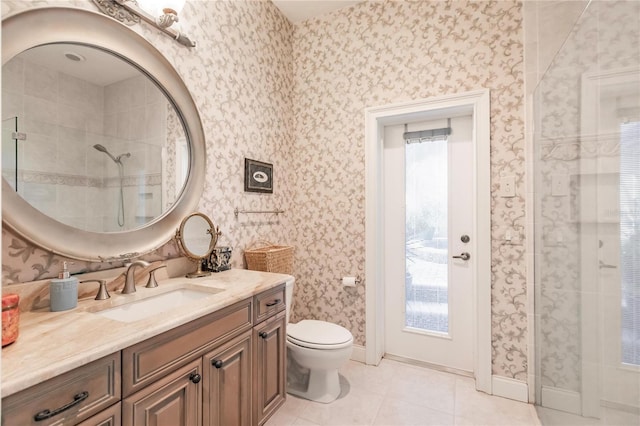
<point x="397" y="394"/>
<point x="608" y="417"/>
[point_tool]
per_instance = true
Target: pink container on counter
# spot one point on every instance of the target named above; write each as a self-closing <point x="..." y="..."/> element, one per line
<point x="10" y="318"/>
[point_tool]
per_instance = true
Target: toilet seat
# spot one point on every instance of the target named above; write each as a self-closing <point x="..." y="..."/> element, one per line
<point x="315" y="334"/>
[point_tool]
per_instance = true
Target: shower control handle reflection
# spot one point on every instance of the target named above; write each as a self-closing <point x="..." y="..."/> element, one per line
<point x="463" y="256"/>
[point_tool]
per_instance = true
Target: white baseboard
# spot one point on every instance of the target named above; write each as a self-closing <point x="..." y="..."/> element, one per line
<point x="501" y="386"/>
<point x="561" y="399"/>
<point x="510" y="388"/>
<point x="359" y="353"/>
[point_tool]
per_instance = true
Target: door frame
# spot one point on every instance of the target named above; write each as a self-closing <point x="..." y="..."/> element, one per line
<point x="478" y="104"/>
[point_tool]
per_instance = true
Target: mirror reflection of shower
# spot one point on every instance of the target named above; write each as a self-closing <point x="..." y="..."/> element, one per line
<point x="118" y="161"/>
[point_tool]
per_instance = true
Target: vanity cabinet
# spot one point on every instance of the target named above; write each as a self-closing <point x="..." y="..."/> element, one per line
<point x="269" y="360"/>
<point x="69" y="398"/>
<point x="226" y="368"/>
<point x="163" y="375"/>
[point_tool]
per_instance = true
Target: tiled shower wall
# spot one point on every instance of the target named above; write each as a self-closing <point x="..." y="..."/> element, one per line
<point x="63" y="117"/>
<point x="51" y="108"/>
<point x="136" y="123"/>
<point x="242" y="78"/>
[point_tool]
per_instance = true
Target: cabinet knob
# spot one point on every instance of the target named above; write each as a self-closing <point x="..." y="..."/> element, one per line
<point x="263" y="334"/>
<point x="195" y="378"/>
<point x="216" y="363"/>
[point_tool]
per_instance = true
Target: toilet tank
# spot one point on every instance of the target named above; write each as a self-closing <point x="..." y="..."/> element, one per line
<point x="288" y="294"/>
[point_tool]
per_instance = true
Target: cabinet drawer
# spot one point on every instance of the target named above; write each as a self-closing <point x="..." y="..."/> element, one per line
<point x="112" y="416"/>
<point x="85" y="391"/>
<point x="147" y="361"/>
<point x="268" y="303"/>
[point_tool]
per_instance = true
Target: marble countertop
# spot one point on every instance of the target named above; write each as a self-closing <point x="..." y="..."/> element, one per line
<point x="52" y="343"/>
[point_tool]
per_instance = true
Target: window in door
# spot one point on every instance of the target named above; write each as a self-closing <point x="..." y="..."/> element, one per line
<point x="426" y="239"/>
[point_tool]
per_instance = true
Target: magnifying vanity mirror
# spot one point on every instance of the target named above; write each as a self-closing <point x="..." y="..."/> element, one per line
<point x="197" y="237"/>
<point x="103" y="151"/>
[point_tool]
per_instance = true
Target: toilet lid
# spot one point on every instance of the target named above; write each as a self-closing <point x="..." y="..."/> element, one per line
<point x="318" y="334"/>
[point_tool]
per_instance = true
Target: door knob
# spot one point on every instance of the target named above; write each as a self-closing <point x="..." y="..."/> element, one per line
<point x="463" y="256"/>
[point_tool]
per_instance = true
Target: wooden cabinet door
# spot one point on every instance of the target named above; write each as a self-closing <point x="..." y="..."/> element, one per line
<point x="227" y="384"/>
<point x="269" y="363"/>
<point x="175" y="400"/>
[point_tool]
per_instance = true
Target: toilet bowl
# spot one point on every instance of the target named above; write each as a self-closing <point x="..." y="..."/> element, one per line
<point x="316" y="350"/>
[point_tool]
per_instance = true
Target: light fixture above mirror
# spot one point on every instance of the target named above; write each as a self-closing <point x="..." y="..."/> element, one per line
<point x="160" y="13"/>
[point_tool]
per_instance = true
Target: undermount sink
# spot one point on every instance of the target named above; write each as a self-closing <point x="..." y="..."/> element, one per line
<point x="141" y="309"/>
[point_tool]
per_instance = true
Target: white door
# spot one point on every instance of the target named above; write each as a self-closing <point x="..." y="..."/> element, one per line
<point x="428" y="205"/>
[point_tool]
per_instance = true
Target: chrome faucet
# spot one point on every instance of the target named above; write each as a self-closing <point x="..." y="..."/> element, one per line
<point x="130" y="280"/>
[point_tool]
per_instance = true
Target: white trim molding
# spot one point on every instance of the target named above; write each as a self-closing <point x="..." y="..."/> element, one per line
<point x="510" y="388"/>
<point x="561" y="399"/>
<point x="478" y="104"/>
<point x="359" y="353"/>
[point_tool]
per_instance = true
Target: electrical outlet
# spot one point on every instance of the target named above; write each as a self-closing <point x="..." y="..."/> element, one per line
<point x="508" y="186"/>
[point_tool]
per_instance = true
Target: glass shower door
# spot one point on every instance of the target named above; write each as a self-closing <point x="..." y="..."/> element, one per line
<point x="587" y="225"/>
<point x="610" y="244"/>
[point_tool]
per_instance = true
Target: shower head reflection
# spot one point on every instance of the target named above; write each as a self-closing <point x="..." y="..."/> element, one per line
<point x="117" y="159"/>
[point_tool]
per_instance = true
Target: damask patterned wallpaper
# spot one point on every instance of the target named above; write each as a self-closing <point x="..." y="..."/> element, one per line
<point x="248" y="63"/>
<point x="377" y="53"/>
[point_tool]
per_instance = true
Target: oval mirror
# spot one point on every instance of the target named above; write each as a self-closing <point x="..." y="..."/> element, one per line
<point x="197" y="238"/>
<point x="103" y="149"/>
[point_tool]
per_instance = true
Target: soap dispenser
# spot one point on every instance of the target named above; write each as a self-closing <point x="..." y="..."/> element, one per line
<point x="63" y="291"/>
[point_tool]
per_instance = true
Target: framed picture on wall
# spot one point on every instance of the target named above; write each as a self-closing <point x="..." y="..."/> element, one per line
<point x="258" y="176"/>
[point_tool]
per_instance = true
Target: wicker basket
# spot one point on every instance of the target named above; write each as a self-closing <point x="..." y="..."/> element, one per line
<point x="271" y="258"/>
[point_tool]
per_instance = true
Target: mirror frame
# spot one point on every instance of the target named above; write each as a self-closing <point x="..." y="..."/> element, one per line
<point x="48" y="25"/>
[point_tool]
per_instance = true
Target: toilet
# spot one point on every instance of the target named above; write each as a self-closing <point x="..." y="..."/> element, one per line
<point x="315" y="352"/>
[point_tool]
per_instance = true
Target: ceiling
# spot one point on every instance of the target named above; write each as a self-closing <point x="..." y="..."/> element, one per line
<point x="300" y="10"/>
